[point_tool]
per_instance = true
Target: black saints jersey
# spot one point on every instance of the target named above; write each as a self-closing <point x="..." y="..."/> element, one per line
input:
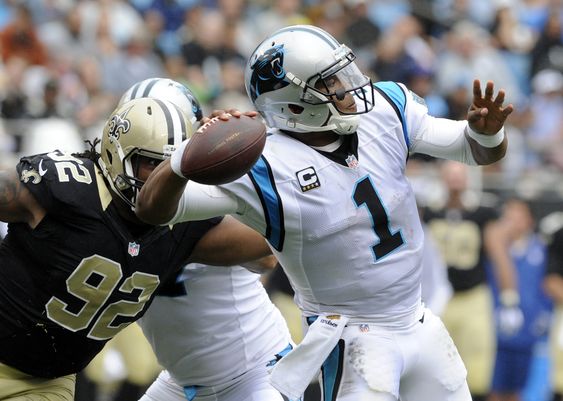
<point x="79" y="277"/>
<point x="459" y="235"/>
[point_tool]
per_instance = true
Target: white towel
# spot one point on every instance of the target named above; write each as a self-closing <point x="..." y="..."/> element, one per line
<point x="293" y="373"/>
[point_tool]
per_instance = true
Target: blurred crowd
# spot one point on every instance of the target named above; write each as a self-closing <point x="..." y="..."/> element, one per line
<point x="65" y="63"/>
<point x="71" y="60"/>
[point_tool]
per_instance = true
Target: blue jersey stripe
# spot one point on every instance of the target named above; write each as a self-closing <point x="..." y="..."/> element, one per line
<point x="332" y="372"/>
<point x="263" y="180"/>
<point x="190" y="392"/>
<point x="395" y="95"/>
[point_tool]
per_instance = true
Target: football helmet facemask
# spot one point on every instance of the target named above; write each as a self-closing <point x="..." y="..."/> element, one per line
<point x="301" y="79"/>
<point x="140" y="128"/>
<point x="167" y="89"/>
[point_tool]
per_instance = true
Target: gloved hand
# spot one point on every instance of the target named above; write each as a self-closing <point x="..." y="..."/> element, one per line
<point x="509" y="320"/>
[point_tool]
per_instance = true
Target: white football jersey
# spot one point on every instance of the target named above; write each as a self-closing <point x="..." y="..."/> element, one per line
<point x="346" y="230"/>
<point x="216" y="324"/>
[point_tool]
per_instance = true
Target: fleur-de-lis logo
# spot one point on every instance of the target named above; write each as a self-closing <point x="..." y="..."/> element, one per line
<point x="119" y="125"/>
<point x="32" y="175"/>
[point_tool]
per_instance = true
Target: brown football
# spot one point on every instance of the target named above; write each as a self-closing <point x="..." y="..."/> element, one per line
<point x="222" y="151"/>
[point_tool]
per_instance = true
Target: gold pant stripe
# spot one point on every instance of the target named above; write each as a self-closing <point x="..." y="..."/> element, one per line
<point x="18" y="386"/>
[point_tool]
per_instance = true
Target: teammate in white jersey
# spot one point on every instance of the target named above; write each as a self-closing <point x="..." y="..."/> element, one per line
<point x="331" y="197"/>
<point x="213" y="329"/>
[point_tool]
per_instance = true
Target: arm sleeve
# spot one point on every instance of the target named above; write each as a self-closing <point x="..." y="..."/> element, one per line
<point x="438" y="137"/>
<point x="200" y="202"/>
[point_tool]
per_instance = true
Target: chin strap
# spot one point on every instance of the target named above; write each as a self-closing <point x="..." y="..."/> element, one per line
<point x="346" y="126"/>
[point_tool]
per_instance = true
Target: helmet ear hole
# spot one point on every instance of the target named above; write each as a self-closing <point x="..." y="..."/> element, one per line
<point x="110" y="157"/>
<point x="295" y="108"/>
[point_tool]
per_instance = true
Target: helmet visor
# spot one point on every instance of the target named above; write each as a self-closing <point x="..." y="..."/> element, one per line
<point x="343" y="85"/>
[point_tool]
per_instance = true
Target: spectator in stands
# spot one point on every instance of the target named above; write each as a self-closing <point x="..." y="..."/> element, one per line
<point x="515" y="233"/>
<point x="545" y="133"/>
<point x="470" y="54"/>
<point x="362" y="33"/>
<point x="19" y="39"/>
<point x="548" y="45"/>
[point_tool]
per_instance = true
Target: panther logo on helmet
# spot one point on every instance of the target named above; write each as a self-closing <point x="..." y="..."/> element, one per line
<point x="268" y="73"/>
<point x="119" y="125"/>
<point x="196" y="108"/>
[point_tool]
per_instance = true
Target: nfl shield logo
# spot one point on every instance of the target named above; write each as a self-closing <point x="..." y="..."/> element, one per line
<point x="364" y="328"/>
<point x="352" y="162"/>
<point x="133" y="249"/>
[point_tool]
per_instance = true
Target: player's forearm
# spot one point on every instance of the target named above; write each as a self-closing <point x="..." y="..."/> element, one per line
<point x="263" y="265"/>
<point x="450" y="139"/>
<point x="485" y="154"/>
<point x="233" y="243"/>
<point x="443" y="138"/>
<point x="158" y="199"/>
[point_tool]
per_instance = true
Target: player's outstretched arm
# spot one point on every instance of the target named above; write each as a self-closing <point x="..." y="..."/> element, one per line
<point x="262" y="265"/>
<point x="17" y="204"/>
<point x="158" y="200"/>
<point x="486" y="118"/>
<point x="232" y="243"/>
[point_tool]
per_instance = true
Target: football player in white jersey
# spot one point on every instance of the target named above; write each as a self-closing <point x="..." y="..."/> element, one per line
<point x="217" y="333"/>
<point x="331" y="197"/>
<point x="213" y="329"/>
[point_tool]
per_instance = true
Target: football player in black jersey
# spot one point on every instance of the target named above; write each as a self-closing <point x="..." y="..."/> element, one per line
<point x="77" y="266"/>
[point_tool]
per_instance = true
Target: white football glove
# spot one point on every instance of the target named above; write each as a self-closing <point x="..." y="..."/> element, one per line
<point x="510" y="320"/>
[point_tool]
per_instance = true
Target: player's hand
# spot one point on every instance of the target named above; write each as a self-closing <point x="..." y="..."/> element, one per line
<point x="510" y="320"/>
<point x="226" y="114"/>
<point x="486" y="114"/>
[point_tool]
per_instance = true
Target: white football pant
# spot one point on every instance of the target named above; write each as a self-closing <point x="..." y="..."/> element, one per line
<point x="253" y="385"/>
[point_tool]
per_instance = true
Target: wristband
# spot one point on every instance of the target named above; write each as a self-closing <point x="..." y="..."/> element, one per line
<point x="487" y="141"/>
<point x="176" y="159"/>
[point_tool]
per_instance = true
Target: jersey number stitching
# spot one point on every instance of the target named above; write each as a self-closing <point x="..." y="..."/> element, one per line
<point x="92" y="283"/>
<point x="66" y="163"/>
<point x="366" y="195"/>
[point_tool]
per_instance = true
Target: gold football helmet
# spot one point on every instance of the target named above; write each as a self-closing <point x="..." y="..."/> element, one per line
<point x="143" y="127"/>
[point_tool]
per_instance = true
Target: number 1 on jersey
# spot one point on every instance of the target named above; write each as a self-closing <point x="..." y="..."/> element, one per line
<point x="365" y="195"/>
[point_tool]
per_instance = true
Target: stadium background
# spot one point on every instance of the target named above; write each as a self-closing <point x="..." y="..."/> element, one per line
<point x="65" y="63"/>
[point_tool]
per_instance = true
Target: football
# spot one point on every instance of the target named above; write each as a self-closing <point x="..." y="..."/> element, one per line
<point x="222" y="151"/>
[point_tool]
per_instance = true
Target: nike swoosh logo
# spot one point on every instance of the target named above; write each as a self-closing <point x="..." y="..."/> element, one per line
<point x="41" y="171"/>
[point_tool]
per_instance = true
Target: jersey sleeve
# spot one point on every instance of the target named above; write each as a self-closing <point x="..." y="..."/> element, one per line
<point x="240" y="198"/>
<point x="57" y="181"/>
<point x="396" y="95"/>
<point x="36" y="173"/>
<point x="423" y="133"/>
<point x="202" y="202"/>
